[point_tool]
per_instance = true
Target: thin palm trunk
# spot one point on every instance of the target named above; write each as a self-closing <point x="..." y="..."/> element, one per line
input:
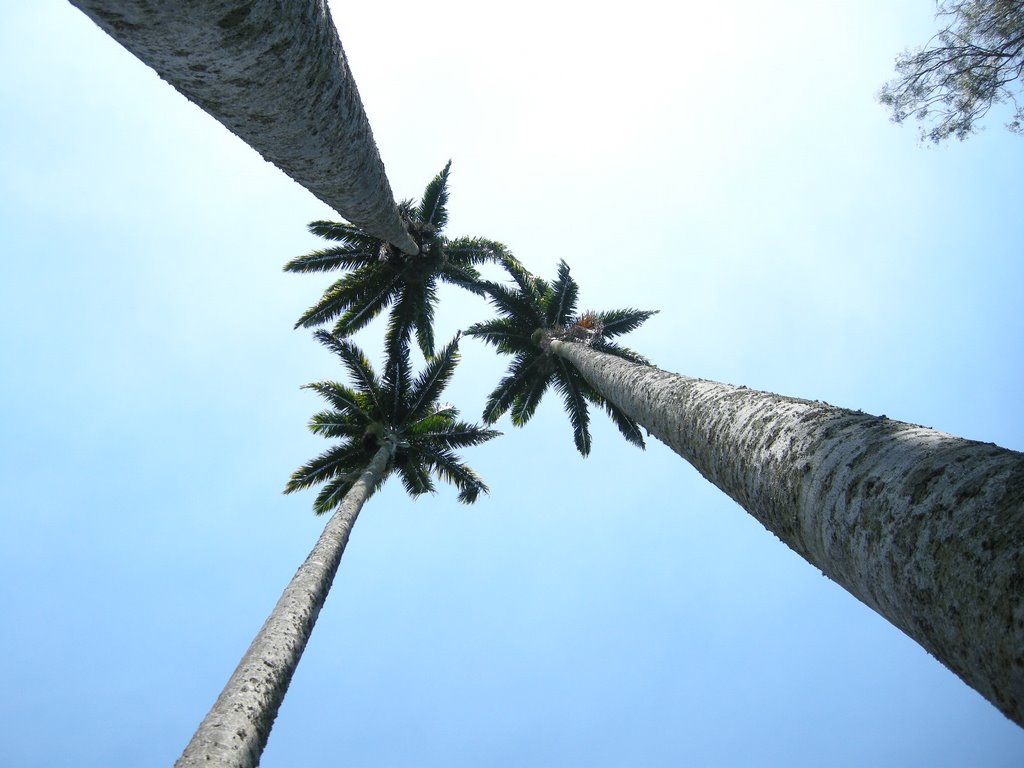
<point x="925" y="528"/>
<point x="234" y="732"/>
<point x="275" y="75"/>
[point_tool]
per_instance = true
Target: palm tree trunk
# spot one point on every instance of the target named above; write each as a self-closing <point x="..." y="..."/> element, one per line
<point x="234" y="732"/>
<point x="274" y="74"/>
<point x="924" y="527"/>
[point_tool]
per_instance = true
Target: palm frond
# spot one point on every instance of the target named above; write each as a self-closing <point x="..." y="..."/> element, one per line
<point x="465" y="277"/>
<point x="395" y="383"/>
<point x="560" y="302"/>
<point x="423" y="319"/>
<point x="459" y="434"/>
<point x="415" y="476"/>
<point x="530" y="285"/>
<point x="529" y="398"/>
<point x="329" y="259"/>
<point x="403" y="318"/>
<point x="514" y="303"/>
<point x="334" y="492"/>
<point x="508" y="334"/>
<point x="451" y="470"/>
<point x="358" y="367"/>
<point x="360" y="295"/>
<point x="629" y="429"/>
<point x="335" y="460"/>
<point x="510" y="387"/>
<point x="474" y="250"/>
<point x="625" y="353"/>
<point x="425" y="391"/>
<point x="334" y="424"/>
<point x="433" y="208"/>
<point x="341" y="232"/>
<point x="615" y="322"/>
<point x="575" y="403"/>
<point x="344" y="399"/>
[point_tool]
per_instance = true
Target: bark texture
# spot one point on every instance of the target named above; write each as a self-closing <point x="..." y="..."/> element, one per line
<point x="924" y="527"/>
<point x="234" y="732"/>
<point x="274" y="73"/>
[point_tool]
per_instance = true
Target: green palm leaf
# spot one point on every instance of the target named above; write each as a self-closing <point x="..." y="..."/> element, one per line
<point x="515" y="381"/>
<point x="330" y="259"/>
<point x="571" y="386"/>
<point x="336" y="425"/>
<point x="415" y="478"/>
<point x="628" y="428"/>
<point x="448" y="467"/>
<point x="359" y="297"/>
<point x="467" y="251"/>
<point x="508" y="334"/>
<point x="327" y="465"/>
<point x="358" y="368"/>
<point x="529" y="398"/>
<point x="616" y="322"/>
<point x="342" y="232"/>
<point x="341" y="397"/>
<point x="433" y="209"/>
<point x="426" y="390"/>
<point x="624" y="352"/>
<point x="560" y="302"/>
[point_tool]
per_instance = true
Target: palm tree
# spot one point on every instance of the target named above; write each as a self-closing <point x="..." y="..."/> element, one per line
<point x="389" y="424"/>
<point x="275" y="75"/>
<point x="382" y="276"/>
<point x="925" y="528"/>
<point x="533" y="314"/>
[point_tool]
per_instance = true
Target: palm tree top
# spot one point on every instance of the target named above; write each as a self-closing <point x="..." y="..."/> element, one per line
<point x="533" y="313"/>
<point x="394" y="409"/>
<point x="379" y="275"/>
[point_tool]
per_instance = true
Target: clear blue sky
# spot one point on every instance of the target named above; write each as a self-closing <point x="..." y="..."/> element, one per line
<point x="728" y="166"/>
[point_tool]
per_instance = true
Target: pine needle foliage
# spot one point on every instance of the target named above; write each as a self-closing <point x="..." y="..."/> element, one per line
<point x="378" y="275"/>
<point x="532" y="313"/>
<point x="393" y="408"/>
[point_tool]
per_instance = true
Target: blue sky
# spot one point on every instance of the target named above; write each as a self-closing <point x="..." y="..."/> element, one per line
<point x="726" y="166"/>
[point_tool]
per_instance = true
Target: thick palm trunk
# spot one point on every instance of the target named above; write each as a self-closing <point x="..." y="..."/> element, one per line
<point x="924" y="527"/>
<point x="274" y="74"/>
<point x="234" y="732"/>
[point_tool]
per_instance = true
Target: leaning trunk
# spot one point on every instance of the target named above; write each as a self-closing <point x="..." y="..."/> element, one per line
<point x="924" y="527"/>
<point x="275" y="75"/>
<point x="235" y="730"/>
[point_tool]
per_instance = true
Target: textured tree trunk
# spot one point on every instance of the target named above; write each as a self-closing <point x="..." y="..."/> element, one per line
<point x="234" y="732"/>
<point x="924" y="527"/>
<point x="272" y="72"/>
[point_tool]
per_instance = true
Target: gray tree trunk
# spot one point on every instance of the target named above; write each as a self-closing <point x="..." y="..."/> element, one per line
<point x="272" y="72"/>
<point x="924" y="527"/>
<point x="234" y="732"/>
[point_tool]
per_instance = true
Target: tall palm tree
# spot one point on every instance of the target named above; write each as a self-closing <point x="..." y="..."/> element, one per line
<point x="275" y="75"/>
<point x="381" y="276"/>
<point x="534" y="313"/>
<point x="925" y="528"/>
<point x="389" y="424"/>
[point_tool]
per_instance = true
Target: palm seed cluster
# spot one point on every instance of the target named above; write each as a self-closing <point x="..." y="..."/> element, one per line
<point x="403" y="415"/>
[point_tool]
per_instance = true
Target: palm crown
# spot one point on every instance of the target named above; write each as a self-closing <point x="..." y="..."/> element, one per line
<point x="393" y="409"/>
<point x="533" y="313"/>
<point x="381" y="275"/>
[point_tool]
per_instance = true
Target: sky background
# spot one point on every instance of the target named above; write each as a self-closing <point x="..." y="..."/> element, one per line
<point x="724" y="163"/>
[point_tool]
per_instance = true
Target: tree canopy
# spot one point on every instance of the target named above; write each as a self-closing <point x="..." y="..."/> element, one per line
<point x="381" y="275"/>
<point x="531" y="314"/>
<point x="974" y="62"/>
<point x="396" y="409"/>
